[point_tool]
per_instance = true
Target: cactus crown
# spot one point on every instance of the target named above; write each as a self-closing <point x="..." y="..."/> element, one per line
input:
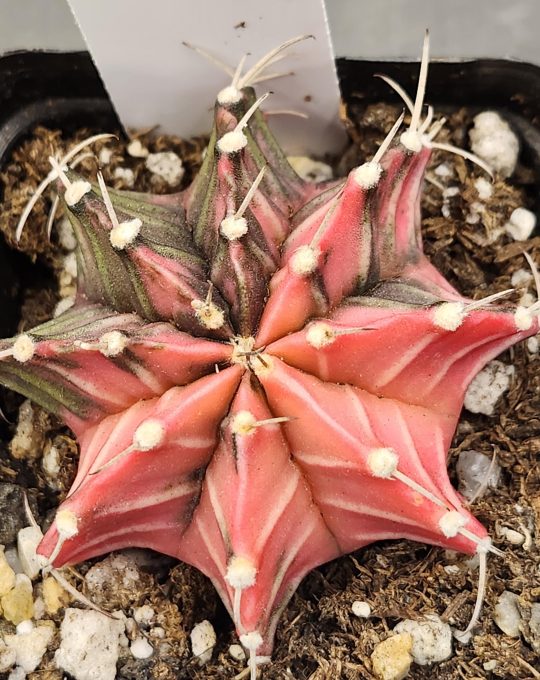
<point x="263" y="374"/>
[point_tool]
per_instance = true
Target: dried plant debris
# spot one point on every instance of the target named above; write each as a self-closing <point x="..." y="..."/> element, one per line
<point x="159" y="603"/>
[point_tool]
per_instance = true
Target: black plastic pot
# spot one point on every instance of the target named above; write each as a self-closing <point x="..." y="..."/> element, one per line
<point x="62" y="91"/>
<point x="65" y="91"/>
<point x="510" y="87"/>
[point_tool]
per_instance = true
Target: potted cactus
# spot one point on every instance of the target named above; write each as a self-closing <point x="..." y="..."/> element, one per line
<point x="263" y="373"/>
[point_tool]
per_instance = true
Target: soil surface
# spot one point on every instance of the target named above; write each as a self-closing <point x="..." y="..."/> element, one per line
<point x="318" y="637"/>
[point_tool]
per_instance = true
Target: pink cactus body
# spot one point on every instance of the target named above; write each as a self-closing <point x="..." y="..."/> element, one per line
<point x="260" y="388"/>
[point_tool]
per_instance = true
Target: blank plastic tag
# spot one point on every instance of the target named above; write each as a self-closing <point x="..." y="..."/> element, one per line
<point x="153" y="78"/>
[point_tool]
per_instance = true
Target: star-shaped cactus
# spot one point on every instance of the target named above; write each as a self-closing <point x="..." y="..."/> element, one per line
<point x="262" y="374"/>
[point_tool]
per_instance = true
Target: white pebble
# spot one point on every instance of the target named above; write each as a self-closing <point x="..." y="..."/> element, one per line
<point x="144" y="614"/>
<point x="521" y="277"/>
<point x="166" y="165"/>
<point x="39" y="608"/>
<point x="443" y="170"/>
<point x="63" y="305"/>
<point x="493" y="141"/>
<point x="472" y="217"/>
<point x="203" y="641"/>
<point x="484" y="188"/>
<point x="114" y="571"/>
<point x="126" y="175"/>
<point x="12" y="558"/>
<point x="449" y="192"/>
<point x="432" y="639"/>
<point x="310" y="170"/>
<point x="25" y="441"/>
<point x="24" y="627"/>
<point x="361" y="609"/>
<point x="141" y="648"/>
<point x="476" y="209"/>
<point x="237" y="652"/>
<point x="66" y="235"/>
<point x="17" y="673"/>
<point x="51" y="463"/>
<point x="30" y="646"/>
<point x="7" y="657"/>
<point x="391" y="659"/>
<point x="512" y="536"/>
<point x="105" y="156"/>
<point x="137" y="150"/>
<point x="472" y="469"/>
<point x="532" y="345"/>
<point x="89" y="645"/>
<point x="451" y="569"/>
<point x="70" y="265"/>
<point x="487" y="387"/>
<point x="490" y="665"/>
<point x="28" y="540"/>
<point x="521" y="224"/>
<point x="506" y="614"/>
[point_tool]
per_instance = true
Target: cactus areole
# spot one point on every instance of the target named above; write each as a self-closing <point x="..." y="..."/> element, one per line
<point x="263" y="374"/>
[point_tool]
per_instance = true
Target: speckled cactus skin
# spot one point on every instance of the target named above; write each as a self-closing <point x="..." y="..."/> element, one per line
<point x="258" y="403"/>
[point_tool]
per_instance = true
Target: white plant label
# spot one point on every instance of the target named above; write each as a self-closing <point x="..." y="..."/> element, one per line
<point x="153" y="78"/>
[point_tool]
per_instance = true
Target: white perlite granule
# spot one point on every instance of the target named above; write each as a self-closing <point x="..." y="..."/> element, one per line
<point x="105" y="156"/>
<point x="391" y="659"/>
<point x="472" y="469"/>
<point x="137" y="150"/>
<point x="532" y="345"/>
<point x="521" y="224"/>
<point x="506" y="614"/>
<point x="25" y="442"/>
<point x="126" y="175"/>
<point x="30" y="645"/>
<point x="203" y="641"/>
<point x="444" y="170"/>
<point x="63" y="305"/>
<point x="166" y="165"/>
<point x="28" y="540"/>
<point x="487" y="387"/>
<point x="70" y="265"/>
<point x="310" y="170"/>
<point x="89" y="646"/>
<point x="493" y="141"/>
<point x="51" y="465"/>
<point x="431" y="639"/>
<point x="484" y="188"/>
<point x="114" y="569"/>
<point x="141" y="649"/>
<point x="144" y="614"/>
<point x="521" y="278"/>
<point x="18" y="673"/>
<point x="66" y="235"/>
<point x="237" y="652"/>
<point x="361" y="609"/>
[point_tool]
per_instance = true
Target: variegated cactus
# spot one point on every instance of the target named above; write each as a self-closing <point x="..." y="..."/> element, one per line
<point x="263" y="374"/>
